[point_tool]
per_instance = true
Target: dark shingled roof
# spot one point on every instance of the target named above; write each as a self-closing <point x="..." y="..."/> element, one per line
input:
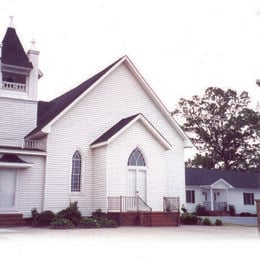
<point x="197" y="177"/>
<point x="11" y="158"/>
<point x="49" y="110"/>
<point x="12" y="50"/>
<point x="114" y="129"/>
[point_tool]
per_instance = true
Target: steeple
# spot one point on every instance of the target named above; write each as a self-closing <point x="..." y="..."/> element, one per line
<point x="19" y="71"/>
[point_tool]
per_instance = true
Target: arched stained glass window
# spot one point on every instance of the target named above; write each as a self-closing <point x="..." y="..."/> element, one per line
<point x="76" y="172"/>
<point x="136" y="158"/>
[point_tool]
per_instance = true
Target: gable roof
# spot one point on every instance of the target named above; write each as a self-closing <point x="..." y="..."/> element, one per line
<point x="201" y="177"/>
<point x="47" y="111"/>
<point x="51" y="111"/>
<point x="12" y="50"/>
<point x="123" y="125"/>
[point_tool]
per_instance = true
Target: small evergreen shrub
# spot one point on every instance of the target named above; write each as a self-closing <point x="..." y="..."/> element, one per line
<point x="71" y="213"/>
<point x="89" y="222"/>
<point x="201" y="210"/>
<point x="98" y="222"/>
<point x="189" y="219"/>
<point x="98" y="213"/>
<point x="61" y="223"/>
<point x="246" y="214"/>
<point x="218" y="222"/>
<point x="43" y="219"/>
<point x="105" y="222"/>
<point x="206" y="222"/>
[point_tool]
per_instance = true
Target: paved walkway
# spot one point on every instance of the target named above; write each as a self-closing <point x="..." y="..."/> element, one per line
<point x="184" y="242"/>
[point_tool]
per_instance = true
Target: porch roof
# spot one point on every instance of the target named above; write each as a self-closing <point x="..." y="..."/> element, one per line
<point x="203" y="177"/>
<point x="219" y="184"/>
<point x="13" y="161"/>
<point x="123" y="125"/>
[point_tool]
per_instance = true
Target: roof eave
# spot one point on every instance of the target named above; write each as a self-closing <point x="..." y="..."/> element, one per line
<point x="147" y="125"/>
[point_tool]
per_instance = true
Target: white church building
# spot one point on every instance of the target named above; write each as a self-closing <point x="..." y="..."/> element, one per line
<point x="108" y="143"/>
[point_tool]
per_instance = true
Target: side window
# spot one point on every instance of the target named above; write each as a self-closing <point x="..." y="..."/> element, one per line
<point x="248" y="198"/>
<point x="190" y="196"/>
<point x="76" y="172"/>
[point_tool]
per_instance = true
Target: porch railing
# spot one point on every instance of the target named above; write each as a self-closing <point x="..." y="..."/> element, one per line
<point x="171" y="204"/>
<point x="217" y="206"/>
<point x="23" y="144"/>
<point x="127" y="203"/>
<point x="6" y="85"/>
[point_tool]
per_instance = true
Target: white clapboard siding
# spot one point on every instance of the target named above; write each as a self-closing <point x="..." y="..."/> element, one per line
<point x="154" y="154"/>
<point x="100" y="180"/>
<point x="17" y="119"/>
<point x="117" y="97"/>
<point x="30" y="185"/>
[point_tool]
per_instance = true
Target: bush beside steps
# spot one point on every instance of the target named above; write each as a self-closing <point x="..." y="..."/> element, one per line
<point x="70" y="217"/>
<point x="193" y="219"/>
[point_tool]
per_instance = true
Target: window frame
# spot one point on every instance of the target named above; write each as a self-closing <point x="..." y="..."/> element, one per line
<point x="76" y="173"/>
<point x="190" y="196"/>
<point x="248" y="198"/>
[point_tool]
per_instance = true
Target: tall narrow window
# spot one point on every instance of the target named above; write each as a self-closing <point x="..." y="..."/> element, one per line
<point x="136" y="158"/>
<point x="76" y="172"/>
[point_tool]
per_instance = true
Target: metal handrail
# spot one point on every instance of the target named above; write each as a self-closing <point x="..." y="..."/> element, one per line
<point x="127" y="203"/>
<point x="171" y="204"/>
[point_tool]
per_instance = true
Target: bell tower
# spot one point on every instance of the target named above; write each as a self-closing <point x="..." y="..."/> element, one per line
<point x="19" y="76"/>
<point x="19" y="70"/>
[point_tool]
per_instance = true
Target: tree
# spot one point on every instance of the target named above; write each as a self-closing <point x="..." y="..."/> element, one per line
<point x="225" y="131"/>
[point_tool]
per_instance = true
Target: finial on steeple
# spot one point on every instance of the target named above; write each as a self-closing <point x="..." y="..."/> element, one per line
<point x="11" y="23"/>
<point x="33" y="45"/>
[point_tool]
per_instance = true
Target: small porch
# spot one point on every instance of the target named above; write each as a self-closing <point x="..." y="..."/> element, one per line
<point x="217" y="206"/>
<point x="216" y="196"/>
<point x="133" y="211"/>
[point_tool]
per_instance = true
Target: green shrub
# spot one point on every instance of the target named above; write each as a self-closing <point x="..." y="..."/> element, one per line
<point x="61" y="223"/>
<point x="245" y="214"/>
<point x="206" y="222"/>
<point x="105" y="222"/>
<point x="89" y="222"/>
<point x="71" y="213"/>
<point x="97" y="222"/>
<point x="232" y="210"/>
<point x="43" y="219"/>
<point x="201" y="210"/>
<point x="218" y="222"/>
<point x="189" y="219"/>
<point x="98" y="213"/>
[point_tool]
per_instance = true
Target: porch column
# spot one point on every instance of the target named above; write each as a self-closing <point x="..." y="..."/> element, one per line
<point x="211" y="199"/>
<point x="227" y="200"/>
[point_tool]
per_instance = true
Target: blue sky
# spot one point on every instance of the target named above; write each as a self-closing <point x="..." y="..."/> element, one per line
<point x="180" y="47"/>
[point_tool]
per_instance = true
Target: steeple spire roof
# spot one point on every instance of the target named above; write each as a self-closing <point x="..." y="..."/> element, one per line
<point x="12" y="50"/>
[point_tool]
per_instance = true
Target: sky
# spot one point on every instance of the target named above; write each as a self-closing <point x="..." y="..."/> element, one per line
<point x="180" y="47"/>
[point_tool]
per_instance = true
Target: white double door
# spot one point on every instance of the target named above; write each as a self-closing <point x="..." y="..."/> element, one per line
<point x="7" y="188"/>
<point x="137" y="183"/>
